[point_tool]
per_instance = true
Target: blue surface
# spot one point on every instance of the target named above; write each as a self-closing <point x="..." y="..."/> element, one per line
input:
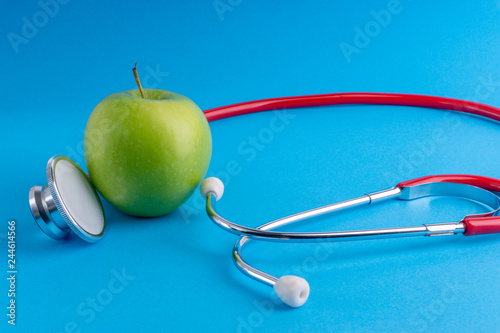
<point x="175" y="271"/>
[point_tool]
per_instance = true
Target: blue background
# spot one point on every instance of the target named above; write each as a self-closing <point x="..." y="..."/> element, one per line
<point x="179" y="271"/>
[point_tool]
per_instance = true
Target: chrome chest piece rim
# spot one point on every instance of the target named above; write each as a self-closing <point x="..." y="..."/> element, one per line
<point x="68" y="202"/>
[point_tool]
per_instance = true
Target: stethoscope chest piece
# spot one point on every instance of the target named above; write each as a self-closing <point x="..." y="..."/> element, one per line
<point x="68" y="202"/>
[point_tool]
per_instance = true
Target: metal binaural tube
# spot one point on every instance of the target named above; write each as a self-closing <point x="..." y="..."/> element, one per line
<point x="264" y="232"/>
<point x="440" y="229"/>
<point x="249" y="270"/>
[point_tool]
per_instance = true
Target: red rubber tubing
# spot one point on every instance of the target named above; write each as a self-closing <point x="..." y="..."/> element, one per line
<point x="487" y="183"/>
<point x="473" y="225"/>
<point x="481" y="225"/>
<point x="425" y="101"/>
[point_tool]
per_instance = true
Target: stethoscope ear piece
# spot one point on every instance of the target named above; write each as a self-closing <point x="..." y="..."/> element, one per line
<point x="68" y="202"/>
<point x="292" y="290"/>
<point x="212" y="185"/>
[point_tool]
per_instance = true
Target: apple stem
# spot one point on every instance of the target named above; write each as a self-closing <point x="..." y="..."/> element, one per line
<point x="137" y="80"/>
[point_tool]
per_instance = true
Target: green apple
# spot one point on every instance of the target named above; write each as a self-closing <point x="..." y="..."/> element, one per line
<point x="146" y="155"/>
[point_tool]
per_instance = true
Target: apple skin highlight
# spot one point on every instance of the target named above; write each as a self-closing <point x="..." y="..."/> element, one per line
<point x="146" y="156"/>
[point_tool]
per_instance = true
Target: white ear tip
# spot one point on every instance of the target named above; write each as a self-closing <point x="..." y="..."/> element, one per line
<point x="292" y="290"/>
<point x="212" y="185"/>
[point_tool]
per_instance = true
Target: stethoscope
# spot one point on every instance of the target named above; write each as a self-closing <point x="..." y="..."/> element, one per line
<point x="70" y="202"/>
<point x="294" y="290"/>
